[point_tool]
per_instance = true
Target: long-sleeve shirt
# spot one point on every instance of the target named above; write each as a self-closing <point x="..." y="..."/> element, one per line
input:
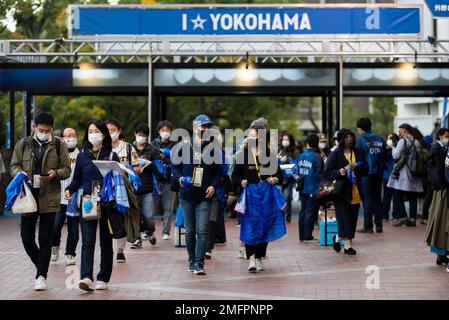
<point x="311" y="167"/>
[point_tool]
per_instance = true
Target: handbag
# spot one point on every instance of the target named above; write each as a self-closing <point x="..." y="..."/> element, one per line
<point x="329" y="190"/>
<point x="240" y="207"/>
<point x="25" y="202"/>
<point x="90" y="210"/>
<point x="116" y="221"/>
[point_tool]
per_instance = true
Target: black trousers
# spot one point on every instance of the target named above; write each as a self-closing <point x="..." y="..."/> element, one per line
<point x="386" y="199"/>
<point x="399" y="204"/>
<point x="347" y="215"/>
<point x="259" y="250"/>
<point x="427" y="202"/>
<point x="40" y="256"/>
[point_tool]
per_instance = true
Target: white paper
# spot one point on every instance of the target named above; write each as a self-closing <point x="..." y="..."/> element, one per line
<point x="106" y="166"/>
<point x="287" y="166"/>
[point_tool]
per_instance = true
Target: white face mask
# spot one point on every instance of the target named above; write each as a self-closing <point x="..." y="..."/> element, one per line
<point x="43" y="137"/>
<point x="71" y="142"/>
<point x="445" y="141"/>
<point x="285" y="143"/>
<point x="322" y="145"/>
<point x="390" y="143"/>
<point x="114" y="136"/>
<point x="141" y="140"/>
<point x="95" y="139"/>
<point x="164" y="135"/>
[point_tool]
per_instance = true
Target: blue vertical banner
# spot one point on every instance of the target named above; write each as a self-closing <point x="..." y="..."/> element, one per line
<point x="444" y="116"/>
<point x="110" y="20"/>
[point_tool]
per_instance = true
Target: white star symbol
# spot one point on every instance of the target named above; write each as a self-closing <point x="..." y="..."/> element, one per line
<point x="198" y="22"/>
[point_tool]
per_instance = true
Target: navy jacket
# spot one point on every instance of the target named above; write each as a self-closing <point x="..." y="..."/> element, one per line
<point x="374" y="150"/>
<point x="86" y="171"/>
<point x="211" y="176"/>
<point x="311" y="167"/>
<point x="337" y="161"/>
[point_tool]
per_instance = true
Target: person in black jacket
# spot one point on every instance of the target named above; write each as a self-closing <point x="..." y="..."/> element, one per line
<point x="436" y="234"/>
<point x="343" y="163"/>
<point x="147" y="153"/>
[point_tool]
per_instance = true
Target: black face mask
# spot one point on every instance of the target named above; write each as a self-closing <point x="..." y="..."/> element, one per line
<point x="349" y="144"/>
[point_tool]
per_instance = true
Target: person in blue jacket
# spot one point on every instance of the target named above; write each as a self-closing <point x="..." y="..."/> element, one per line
<point x="311" y="166"/>
<point x="97" y="145"/>
<point x="374" y="150"/>
<point x="198" y="182"/>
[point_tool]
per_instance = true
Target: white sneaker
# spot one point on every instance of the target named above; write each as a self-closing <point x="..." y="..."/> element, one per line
<point x="70" y="260"/>
<point x="144" y="236"/>
<point x="86" y="284"/>
<point x="447" y="269"/>
<point x="54" y="253"/>
<point x="101" y="285"/>
<point x="259" y="265"/>
<point x="252" y="266"/>
<point x="40" y="284"/>
<point x="165" y="236"/>
<point x="242" y="253"/>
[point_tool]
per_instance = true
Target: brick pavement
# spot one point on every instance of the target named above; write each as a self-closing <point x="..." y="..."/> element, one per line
<point x="293" y="270"/>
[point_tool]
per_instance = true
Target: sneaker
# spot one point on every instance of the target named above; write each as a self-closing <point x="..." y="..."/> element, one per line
<point x="399" y="222"/>
<point x="242" y="253"/>
<point x="86" y="284"/>
<point x="288" y="219"/>
<point x="144" y="236"/>
<point x="410" y="223"/>
<point x="365" y="230"/>
<point x="101" y="285"/>
<point x="70" y="260"/>
<point x="152" y="239"/>
<point x="350" y="251"/>
<point x="121" y="257"/>
<point x="442" y="260"/>
<point x="199" y="270"/>
<point x="447" y="269"/>
<point x="165" y="236"/>
<point x="336" y="245"/>
<point x="54" y="253"/>
<point x="191" y="267"/>
<point x="252" y="266"/>
<point x="136" y="244"/>
<point x="313" y="240"/>
<point x="220" y="243"/>
<point x="40" y="284"/>
<point x="208" y="255"/>
<point x="259" y="265"/>
<point x="379" y="229"/>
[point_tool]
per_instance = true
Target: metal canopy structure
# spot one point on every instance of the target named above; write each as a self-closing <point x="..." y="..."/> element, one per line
<point x="218" y="50"/>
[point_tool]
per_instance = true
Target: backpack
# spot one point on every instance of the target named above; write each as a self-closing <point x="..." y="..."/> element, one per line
<point x="418" y="165"/>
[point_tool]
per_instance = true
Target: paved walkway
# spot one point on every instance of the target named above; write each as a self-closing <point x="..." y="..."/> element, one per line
<point x="294" y="270"/>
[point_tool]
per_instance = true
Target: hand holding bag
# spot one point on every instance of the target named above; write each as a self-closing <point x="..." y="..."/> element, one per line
<point x="25" y="202"/>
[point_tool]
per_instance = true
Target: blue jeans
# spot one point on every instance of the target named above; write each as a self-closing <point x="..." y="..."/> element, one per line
<point x="89" y="237"/>
<point x="166" y="199"/>
<point x="307" y="216"/>
<point x="288" y="195"/>
<point x="72" y="231"/>
<point x="196" y="222"/>
<point x="146" y="202"/>
<point x="372" y="201"/>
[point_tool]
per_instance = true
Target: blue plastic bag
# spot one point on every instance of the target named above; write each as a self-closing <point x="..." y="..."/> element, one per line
<point x="179" y="221"/>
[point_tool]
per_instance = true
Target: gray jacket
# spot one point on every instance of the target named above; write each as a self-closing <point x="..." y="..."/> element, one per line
<point x="406" y="181"/>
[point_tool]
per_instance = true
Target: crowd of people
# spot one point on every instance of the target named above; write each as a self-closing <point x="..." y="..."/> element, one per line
<point x="364" y="170"/>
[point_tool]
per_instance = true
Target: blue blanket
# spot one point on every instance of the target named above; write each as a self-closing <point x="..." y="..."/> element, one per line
<point x="13" y="189"/>
<point x="263" y="220"/>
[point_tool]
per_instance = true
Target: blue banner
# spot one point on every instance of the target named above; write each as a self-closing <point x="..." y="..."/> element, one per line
<point x="439" y="8"/>
<point x="245" y="21"/>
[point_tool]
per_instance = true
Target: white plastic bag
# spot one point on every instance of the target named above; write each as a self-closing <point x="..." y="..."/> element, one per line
<point x="25" y="202"/>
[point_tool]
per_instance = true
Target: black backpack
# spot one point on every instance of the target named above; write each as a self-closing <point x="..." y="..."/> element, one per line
<point x="418" y="165"/>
